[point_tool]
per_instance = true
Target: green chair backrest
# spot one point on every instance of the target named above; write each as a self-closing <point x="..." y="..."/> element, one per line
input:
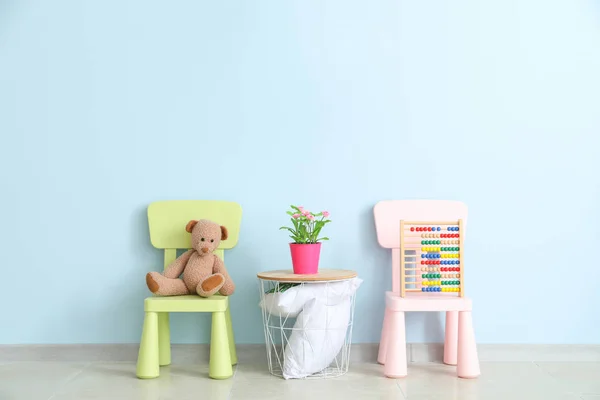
<point x="167" y="221"/>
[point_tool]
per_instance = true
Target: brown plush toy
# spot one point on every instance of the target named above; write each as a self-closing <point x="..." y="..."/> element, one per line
<point x="204" y="273"/>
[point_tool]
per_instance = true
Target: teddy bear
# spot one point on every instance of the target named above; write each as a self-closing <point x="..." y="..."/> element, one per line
<point x="204" y="273"/>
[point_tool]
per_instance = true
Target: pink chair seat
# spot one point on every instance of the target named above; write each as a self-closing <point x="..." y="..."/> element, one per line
<point x="430" y="302"/>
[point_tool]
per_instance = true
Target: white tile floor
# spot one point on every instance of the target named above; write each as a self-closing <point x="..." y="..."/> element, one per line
<point x="499" y="380"/>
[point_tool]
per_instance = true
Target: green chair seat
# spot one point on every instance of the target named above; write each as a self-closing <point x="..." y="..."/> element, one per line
<point x="191" y="303"/>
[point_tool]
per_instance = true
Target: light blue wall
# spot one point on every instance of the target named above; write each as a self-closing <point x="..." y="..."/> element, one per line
<point x="106" y="106"/>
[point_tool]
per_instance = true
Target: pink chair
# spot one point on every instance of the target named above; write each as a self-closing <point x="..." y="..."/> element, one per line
<point x="460" y="348"/>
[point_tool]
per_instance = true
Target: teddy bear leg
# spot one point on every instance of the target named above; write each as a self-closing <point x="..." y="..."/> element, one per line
<point x="210" y="285"/>
<point x="228" y="288"/>
<point x="163" y="286"/>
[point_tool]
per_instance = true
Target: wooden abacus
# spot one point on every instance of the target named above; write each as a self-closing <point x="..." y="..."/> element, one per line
<point x="437" y="250"/>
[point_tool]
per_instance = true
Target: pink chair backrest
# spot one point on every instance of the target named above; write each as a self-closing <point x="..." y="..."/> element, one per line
<point x="388" y="214"/>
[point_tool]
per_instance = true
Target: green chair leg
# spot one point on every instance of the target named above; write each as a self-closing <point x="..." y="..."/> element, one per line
<point x="230" y="337"/>
<point x="164" y="339"/>
<point x="220" y="361"/>
<point x="147" y="364"/>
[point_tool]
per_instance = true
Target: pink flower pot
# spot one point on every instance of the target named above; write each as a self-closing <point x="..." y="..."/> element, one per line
<point x="305" y="258"/>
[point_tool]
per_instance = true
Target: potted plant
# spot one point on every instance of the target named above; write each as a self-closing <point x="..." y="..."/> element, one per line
<point x="306" y="246"/>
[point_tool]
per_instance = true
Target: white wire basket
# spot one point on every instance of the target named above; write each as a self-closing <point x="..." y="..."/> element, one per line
<point x="308" y="327"/>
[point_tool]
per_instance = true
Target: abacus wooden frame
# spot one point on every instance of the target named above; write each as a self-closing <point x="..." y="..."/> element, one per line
<point x="461" y="264"/>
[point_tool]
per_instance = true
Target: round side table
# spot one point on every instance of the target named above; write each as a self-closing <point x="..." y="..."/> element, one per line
<point x="308" y="321"/>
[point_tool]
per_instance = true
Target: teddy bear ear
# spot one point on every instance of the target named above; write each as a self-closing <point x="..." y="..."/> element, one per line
<point x="224" y="233"/>
<point x="190" y="226"/>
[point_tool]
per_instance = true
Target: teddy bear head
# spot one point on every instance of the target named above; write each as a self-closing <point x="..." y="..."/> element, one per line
<point x="206" y="235"/>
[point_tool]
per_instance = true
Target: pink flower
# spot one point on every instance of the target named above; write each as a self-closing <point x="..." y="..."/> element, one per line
<point x="326" y="214"/>
<point x="296" y="216"/>
<point x="309" y="216"/>
<point x="300" y="208"/>
<point x="306" y="213"/>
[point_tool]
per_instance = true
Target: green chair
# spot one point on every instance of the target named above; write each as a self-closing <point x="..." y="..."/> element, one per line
<point x="167" y="221"/>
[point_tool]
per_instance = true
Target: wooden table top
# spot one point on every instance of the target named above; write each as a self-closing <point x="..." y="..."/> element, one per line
<point x="287" y="275"/>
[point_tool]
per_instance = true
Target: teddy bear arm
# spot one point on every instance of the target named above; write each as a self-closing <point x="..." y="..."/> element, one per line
<point x="219" y="267"/>
<point x="175" y="269"/>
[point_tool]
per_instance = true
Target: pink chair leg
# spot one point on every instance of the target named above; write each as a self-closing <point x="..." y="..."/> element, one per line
<point x="395" y="359"/>
<point x="468" y="362"/>
<point x="451" y="340"/>
<point x="384" y="337"/>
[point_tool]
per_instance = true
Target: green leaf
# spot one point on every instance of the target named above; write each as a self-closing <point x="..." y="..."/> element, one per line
<point x="289" y="229"/>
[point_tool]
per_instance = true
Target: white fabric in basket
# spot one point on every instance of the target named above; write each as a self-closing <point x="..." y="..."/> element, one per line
<point x="319" y="332"/>
<point x="291" y="302"/>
